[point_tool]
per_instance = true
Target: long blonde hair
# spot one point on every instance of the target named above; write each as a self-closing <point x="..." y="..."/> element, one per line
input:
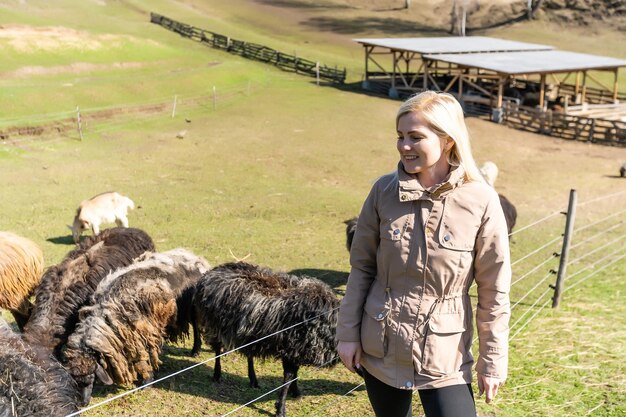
<point x="444" y="116"/>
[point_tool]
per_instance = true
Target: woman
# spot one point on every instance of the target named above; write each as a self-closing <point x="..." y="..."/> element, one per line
<point x="424" y="234"/>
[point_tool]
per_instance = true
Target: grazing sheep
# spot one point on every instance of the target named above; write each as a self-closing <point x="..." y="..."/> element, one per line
<point x="32" y="383"/>
<point x="119" y="336"/>
<point x="510" y="213"/>
<point x="66" y="287"/>
<point x="238" y="303"/>
<point x="104" y="208"/>
<point x="622" y="170"/>
<point x="21" y="265"/>
<point x="350" y="229"/>
<point x="489" y="171"/>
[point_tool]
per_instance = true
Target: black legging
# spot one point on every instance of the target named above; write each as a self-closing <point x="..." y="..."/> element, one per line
<point x="451" y="401"/>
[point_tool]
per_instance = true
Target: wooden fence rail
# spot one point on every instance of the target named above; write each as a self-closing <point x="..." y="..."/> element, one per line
<point x="252" y="50"/>
<point x="608" y="132"/>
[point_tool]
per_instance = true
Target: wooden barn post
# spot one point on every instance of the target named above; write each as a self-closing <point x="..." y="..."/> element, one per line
<point x="567" y="237"/>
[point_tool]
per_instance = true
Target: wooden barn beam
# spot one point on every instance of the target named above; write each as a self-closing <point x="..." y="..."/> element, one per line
<point x="615" y="84"/>
<point x="451" y="83"/>
<point x="584" y="87"/>
<point x="500" y="92"/>
<point x="425" y="79"/>
<point x="542" y="90"/>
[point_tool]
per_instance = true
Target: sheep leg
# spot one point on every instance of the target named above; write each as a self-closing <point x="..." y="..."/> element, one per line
<point x="22" y="313"/>
<point x="197" y="338"/>
<point x="217" y="370"/>
<point x="294" y="391"/>
<point x="290" y="370"/>
<point x="254" y="383"/>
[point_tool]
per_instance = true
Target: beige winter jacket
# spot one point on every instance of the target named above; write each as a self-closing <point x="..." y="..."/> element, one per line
<point x="414" y="257"/>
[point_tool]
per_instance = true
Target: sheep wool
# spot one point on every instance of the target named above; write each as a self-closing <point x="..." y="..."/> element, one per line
<point x="66" y="287"/>
<point x="119" y="337"/>
<point x="31" y="382"/>
<point x="21" y="266"/>
<point x="239" y="303"/>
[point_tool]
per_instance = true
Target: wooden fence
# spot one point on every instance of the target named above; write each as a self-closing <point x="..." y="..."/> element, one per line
<point x="608" y="132"/>
<point x="252" y="50"/>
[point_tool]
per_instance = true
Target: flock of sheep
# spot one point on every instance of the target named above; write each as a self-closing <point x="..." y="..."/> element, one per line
<point x="103" y="313"/>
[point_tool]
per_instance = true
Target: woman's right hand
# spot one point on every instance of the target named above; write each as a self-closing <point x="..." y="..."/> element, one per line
<point x="350" y="354"/>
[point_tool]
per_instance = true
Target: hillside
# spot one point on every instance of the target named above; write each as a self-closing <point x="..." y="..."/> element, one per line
<point x="234" y="159"/>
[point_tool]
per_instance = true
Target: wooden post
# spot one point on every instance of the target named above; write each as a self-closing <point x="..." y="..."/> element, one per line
<point x="567" y="237"/>
<point x="577" y="88"/>
<point x="500" y="92"/>
<point x="317" y="73"/>
<point x="425" y="80"/>
<point x="584" y="87"/>
<point x="214" y="99"/>
<point x="174" y="107"/>
<point x="367" y="58"/>
<point x="79" y="124"/>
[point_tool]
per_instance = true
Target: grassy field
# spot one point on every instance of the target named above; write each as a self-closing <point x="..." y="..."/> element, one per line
<point x="269" y="170"/>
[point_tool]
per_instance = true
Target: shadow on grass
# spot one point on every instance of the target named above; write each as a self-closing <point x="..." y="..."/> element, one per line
<point x="333" y="278"/>
<point x="234" y="389"/>
<point x="61" y="240"/>
<point x="614" y="176"/>
<point x="351" y="26"/>
<point x="299" y="4"/>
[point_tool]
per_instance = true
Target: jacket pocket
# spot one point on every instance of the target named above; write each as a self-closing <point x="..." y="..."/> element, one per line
<point x="373" y="327"/>
<point x="444" y="347"/>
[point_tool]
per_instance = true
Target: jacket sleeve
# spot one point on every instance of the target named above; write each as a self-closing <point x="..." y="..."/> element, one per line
<point x="363" y="261"/>
<point x="492" y="272"/>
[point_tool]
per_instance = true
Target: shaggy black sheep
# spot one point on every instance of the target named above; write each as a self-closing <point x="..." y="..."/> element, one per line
<point x="350" y="230"/>
<point x="119" y="336"/>
<point x="32" y="382"/>
<point x="66" y="287"/>
<point x="510" y="213"/>
<point x="239" y="303"/>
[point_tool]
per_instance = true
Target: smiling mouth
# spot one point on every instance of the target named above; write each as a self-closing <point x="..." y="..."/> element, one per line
<point x="410" y="157"/>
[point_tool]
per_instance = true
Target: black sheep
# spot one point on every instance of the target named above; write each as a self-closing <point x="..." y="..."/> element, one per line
<point x="66" y="287"/>
<point x="238" y="303"/>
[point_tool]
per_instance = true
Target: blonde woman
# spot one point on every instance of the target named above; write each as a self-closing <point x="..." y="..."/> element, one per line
<point x="425" y="233"/>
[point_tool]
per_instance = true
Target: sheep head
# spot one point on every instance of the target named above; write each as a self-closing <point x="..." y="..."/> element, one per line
<point x="84" y="368"/>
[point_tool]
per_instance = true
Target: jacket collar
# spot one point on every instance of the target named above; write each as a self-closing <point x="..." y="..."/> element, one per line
<point x="410" y="188"/>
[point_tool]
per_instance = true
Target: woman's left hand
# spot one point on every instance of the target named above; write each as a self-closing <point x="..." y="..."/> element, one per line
<point x="489" y="386"/>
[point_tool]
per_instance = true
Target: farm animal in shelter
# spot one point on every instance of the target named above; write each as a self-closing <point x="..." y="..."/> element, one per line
<point x="489" y="171"/>
<point x="66" y="287"/>
<point x="104" y="208"/>
<point x="238" y="304"/>
<point x="32" y="383"/>
<point x="21" y="266"/>
<point x="350" y="230"/>
<point x="119" y="336"/>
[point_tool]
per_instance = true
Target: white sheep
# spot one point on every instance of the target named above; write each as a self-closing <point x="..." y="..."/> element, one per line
<point x="107" y="207"/>
<point x="489" y="171"/>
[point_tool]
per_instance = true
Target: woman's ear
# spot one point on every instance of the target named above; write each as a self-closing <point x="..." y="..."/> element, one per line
<point x="449" y="144"/>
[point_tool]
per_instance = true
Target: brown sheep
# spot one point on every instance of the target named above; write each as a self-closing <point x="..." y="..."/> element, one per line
<point x="21" y="266"/>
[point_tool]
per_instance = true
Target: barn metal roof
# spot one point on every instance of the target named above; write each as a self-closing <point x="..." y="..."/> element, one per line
<point x="453" y="44"/>
<point x="531" y="62"/>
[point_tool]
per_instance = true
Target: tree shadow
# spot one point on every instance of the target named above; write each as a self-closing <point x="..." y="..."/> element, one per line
<point x="351" y="26"/>
<point x="62" y="240"/>
<point x="333" y="278"/>
<point x="299" y="4"/>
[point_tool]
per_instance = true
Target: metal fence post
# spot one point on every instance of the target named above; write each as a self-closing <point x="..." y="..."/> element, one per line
<point x="567" y="237"/>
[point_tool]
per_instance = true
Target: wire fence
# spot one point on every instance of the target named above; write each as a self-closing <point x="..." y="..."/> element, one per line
<point x="610" y="236"/>
<point x="94" y="121"/>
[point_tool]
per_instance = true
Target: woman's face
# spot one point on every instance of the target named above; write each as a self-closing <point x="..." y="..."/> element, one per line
<point x="421" y="150"/>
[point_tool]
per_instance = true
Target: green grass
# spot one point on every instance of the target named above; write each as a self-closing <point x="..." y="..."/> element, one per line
<point x="269" y="175"/>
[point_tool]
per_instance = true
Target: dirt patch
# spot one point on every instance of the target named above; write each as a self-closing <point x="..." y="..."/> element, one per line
<point x="31" y="39"/>
<point x="75" y="68"/>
